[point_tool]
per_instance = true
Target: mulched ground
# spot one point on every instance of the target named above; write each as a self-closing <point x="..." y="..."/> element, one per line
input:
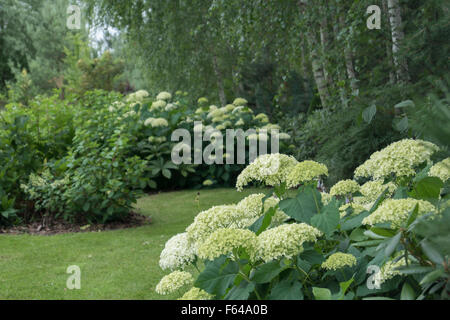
<point x="60" y="226"/>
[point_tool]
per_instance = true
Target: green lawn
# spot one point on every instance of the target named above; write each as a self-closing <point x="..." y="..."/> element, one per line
<point x="120" y="264"/>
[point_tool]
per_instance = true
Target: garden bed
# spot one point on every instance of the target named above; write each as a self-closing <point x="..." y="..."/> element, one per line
<point x="60" y="226"/>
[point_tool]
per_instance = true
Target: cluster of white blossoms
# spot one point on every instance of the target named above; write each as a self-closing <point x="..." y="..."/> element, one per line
<point x="344" y="187"/>
<point x="239" y="102"/>
<point x="156" y="122"/>
<point x="441" y="170"/>
<point x="177" y="253"/>
<point x="158" y="105"/>
<point x="137" y="96"/>
<point x="270" y="169"/>
<point x="285" y="241"/>
<point x="251" y="209"/>
<point x="396" y="211"/>
<point x="339" y="260"/>
<point x="212" y="219"/>
<point x="304" y="172"/>
<point x="166" y="96"/>
<point x="326" y="198"/>
<point x="399" y="158"/>
<point x="372" y="190"/>
<point x="174" y="282"/>
<point x="356" y="208"/>
<point x="224" y="241"/>
<point x="262" y="117"/>
<point x="389" y="269"/>
<point x="196" y="294"/>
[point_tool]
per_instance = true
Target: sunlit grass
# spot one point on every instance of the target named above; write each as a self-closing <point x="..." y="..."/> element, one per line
<point x="120" y="264"/>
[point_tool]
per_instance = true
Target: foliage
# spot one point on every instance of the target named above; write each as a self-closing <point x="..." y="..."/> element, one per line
<point x="319" y="253"/>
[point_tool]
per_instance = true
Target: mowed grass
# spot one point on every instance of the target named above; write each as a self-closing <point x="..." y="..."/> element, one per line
<point x="120" y="264"/>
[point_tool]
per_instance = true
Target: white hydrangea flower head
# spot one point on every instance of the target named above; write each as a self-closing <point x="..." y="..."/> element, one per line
<point x="305" y="171"/>
<point x="262" y="117"/>
<point x="207" y="182"/>
<point x="372" y="190"/>
<point x="215" y="113"/>
<point x="238" y="102"/>
<point x="240" y="122"/>
<point x="285" y="241"/>
<point x="166" y="96"/>
<point x="271" y="169"/>
<point x="271" y="126"/>
<point x="224" y="216"/>
<point x="344" y="187"/>
<point x="441" y="170"/>
<point x="251" y="209"/>
<point x="158" y="105"/>
<point x="396" y="211"/>
<point x="159" y="122"/>
<point x="284" y="136"/>
<point x="196" y="294"/>
<point x="339" y="260"/>
<point x="230" y="107"/>
<point x="399" y="158"/>
<point x="202" y="101"/>
<point x="389" y="269"/>
<point x="177" y="253"/>
<point x="224" y="241"/>
<point x="174" y="282"/>
<point x="326" y="197"/>
<point x="170" y="107"/>
<point x="355" y="208"/>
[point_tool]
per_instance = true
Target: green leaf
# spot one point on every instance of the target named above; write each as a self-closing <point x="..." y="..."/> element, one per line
<point x="431" y="252"/>
<point x="357" y="235"/>
<point x="312" y="256"/>
<point x="287" y="290"/>
<point x="166" y="173"/>
<point x="412" y="215"/>
<point x="328" y="220"/>
<point x="428" y="188"/>
<point x="354" y="222"/>
<point x="368" y="113"/>
<point x="321" y="293"/>
<point x="404" y="104"/>
<point x="383" y="232"/>
<point x="240" y="292"/>
<point x="392" y="245"/>
<point x="304" y="206"/>
<point x="86" y="207"/>
<point x="432" y="276"/>
<point x="344" y="287"/>
<point x="217" y="276"/>
<point x="266" y="272"/>
<point x="407" y="292"/>
<point x="416" y="269"/>
<point x="401" y="125"/>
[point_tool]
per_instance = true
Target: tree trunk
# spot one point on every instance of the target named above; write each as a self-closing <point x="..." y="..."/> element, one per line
<point x="316" y="63"/>
<point x="388" y="45"/>
<point x="395" y="19"/>
<point x="317" y="68"/>
<point x="220" y="86"/>
<point x="348" y="57"/>
<point x="340" y="72"/>
<point x="304" y="67"/>
<point x="326" y="45"/>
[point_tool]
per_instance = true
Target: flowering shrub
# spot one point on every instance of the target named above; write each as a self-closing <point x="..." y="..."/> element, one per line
<point x="324" y="245"/>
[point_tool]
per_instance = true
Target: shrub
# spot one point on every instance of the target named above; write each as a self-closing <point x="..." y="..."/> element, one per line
<point x="327" y="243"/>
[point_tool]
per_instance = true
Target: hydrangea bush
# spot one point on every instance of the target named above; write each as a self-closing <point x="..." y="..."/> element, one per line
<point x="384" y="235"/>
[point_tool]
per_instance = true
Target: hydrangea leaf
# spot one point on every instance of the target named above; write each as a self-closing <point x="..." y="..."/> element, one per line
<point x="217" y="276"/>
<point x="304" y="206"/>
<point x="287" y="290"/>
